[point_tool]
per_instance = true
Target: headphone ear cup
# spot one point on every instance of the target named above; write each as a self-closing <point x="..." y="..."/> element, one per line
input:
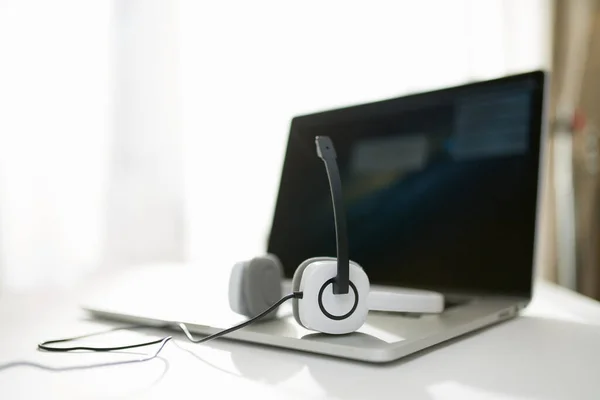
<point x="261" y="284"/>
<point x="296" y="283"/>
<point x="236" y="289"/>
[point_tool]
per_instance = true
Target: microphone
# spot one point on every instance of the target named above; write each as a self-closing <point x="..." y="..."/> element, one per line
<point x="388" y="299"/>
<point x="326" y="152"/>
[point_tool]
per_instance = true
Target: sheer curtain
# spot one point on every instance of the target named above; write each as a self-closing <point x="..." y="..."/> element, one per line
<point x="90" y="156"/>
<point x="149" y="131"/>
<point x="55" y="100"/>
<point x="248" y="67"/>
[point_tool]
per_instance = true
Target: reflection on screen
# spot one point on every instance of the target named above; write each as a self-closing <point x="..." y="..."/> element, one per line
<point x="442" y="195"/>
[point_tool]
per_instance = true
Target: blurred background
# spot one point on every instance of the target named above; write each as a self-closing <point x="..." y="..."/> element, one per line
<point x="146" y="131"/>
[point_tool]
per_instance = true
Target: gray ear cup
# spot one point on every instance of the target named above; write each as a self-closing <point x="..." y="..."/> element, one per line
<point x="296" y="282"/>
<point x="236" y="299"/>
<point x="261" y="284"/>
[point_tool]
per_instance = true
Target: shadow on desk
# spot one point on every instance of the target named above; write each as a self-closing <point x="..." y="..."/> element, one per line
<point x="524" y="358"/>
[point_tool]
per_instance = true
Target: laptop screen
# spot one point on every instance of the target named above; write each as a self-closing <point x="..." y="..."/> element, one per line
<point x="440" y="188"/>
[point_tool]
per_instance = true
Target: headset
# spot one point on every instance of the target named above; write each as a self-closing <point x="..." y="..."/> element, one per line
<point x="330" y="295"/>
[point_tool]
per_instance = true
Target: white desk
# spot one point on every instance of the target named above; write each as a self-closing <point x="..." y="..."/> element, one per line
<point x="552" y="352"/>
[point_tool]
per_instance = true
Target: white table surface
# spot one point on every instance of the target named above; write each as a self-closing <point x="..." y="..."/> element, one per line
<point x="551" y="352"/>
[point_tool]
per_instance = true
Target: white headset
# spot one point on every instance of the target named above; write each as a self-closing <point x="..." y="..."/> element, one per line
<point x="330" y="295"/>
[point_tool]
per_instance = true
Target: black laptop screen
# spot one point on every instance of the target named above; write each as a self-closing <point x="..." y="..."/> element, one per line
<point x="440" y="188"/>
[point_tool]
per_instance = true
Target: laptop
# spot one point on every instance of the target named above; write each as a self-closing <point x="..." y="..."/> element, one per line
<point x="442" y="192"/>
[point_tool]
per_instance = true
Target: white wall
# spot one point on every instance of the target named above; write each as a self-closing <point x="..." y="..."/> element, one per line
<point x="248" y="67"/>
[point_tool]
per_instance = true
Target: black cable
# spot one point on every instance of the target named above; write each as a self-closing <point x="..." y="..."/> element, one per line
<point x="45" y="345"/>
<point x="25" y="363"/>
<point x="185" y="330"/>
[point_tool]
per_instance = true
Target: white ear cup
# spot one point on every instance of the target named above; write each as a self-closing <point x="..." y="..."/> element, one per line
<point x="296" y="282"/>
<point x="255" y="285"/>
<point x="321" y="310"/>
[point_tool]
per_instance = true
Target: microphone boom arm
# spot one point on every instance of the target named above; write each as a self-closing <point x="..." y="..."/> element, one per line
<point x="326" y="152"/>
